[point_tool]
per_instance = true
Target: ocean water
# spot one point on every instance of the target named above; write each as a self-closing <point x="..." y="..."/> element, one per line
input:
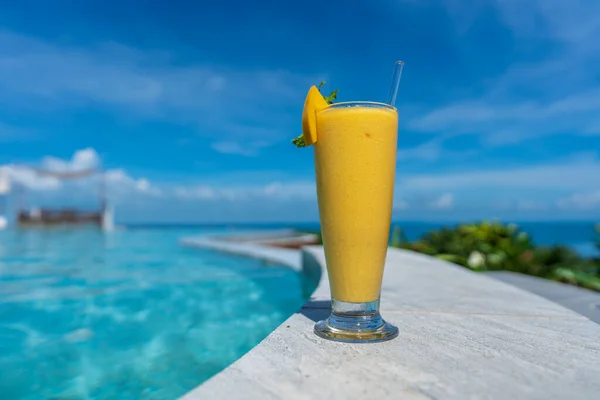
<point x="130" y="314"/>
<point x="578" y="235"/>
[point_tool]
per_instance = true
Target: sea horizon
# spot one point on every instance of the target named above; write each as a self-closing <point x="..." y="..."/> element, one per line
<point x="418" y="221"/>
<point x="578" y="235"/>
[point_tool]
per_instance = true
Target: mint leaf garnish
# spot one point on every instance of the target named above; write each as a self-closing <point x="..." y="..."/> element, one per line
<point x="299" y="141"/>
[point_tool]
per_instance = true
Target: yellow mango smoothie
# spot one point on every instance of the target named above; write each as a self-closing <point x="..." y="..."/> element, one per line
<point x="355" y="163"/>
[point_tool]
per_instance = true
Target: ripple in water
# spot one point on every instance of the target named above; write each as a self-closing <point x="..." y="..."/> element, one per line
<point x="130" y="314"/>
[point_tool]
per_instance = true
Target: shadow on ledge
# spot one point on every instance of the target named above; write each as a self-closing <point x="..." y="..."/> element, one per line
<point x="316" y="310"/>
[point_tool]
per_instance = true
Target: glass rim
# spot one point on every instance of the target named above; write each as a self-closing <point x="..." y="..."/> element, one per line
<point x="359" y="103"/>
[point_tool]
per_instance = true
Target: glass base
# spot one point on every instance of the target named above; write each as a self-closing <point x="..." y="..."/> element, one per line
<point x="355" y="323"/>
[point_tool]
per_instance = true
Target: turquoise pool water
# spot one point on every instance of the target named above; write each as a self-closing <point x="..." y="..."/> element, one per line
<point x="130" y="314"/>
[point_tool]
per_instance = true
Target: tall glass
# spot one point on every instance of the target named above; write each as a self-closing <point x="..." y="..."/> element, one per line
<point x="355" y="163"/>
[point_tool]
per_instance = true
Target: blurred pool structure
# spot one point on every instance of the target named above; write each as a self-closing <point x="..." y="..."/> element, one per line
<point x="129" y="314"/>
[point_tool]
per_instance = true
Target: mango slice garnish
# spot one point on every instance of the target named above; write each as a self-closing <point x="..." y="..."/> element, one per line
<point x="313" y="103"/>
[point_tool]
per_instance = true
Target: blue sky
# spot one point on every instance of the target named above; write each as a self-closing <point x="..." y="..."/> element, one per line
<point x="190" y="106"/>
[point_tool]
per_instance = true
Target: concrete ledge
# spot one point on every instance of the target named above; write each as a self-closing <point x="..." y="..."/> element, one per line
<point x="580" y="300"/>
<point x="462" y="336"/>
<point x="247" y="248"/>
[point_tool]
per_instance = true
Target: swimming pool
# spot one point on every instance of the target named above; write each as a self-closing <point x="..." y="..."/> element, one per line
<point x="129" y="314"/>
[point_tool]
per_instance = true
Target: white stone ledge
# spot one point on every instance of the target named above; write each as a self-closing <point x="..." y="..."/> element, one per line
<point x="462" y="336"/>
<point x="286" y="257"/>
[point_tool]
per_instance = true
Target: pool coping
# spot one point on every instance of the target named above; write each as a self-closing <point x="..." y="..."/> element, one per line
<point x="463" y="335"/>
<point x="250" y="247"/>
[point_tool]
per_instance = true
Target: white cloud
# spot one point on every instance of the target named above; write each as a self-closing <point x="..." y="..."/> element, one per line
<point x="576" y="175"/>
<point x="511" y="123"/>
<point x="82" y="160"/>
<point x="238" y="192"/>
<point x="145" y="84"/>
<point x="530" y="205"/>
<point x="444" y="202"/>
<point x="291" y="190"/>
<point x="118" y="182"/>
<point x="428" y="151"/>
<point x="295" y="190"/>
<point x="142" y="184"/>
<point x="197" y="192"/>
<point x="234" y="148"/>
<point x="431" y="150"/>
<point x="570" y="22"/>
<point x="30" y="179"/>
<point x="38" y="69"/>
<point x="581" y="201"/>
<point x="509" y="110"/>
<point x="117" y="176"/>
<point x="255" y="138"/>
<point x="400" y="205"/>
<point x="122" y="187"/>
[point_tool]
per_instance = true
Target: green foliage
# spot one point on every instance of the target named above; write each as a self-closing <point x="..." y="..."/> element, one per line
<point x="578" y="278"/>
<point x="317" y="233"/>
<point x="332" y="96"/>
<point x="299" y="140"/>
<point x="597" y="227"/>
<point x="398" y="237"/>
<point x="485" y="246"/>
<point x="319" y="237"/>
<point x="494" y="246"/>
